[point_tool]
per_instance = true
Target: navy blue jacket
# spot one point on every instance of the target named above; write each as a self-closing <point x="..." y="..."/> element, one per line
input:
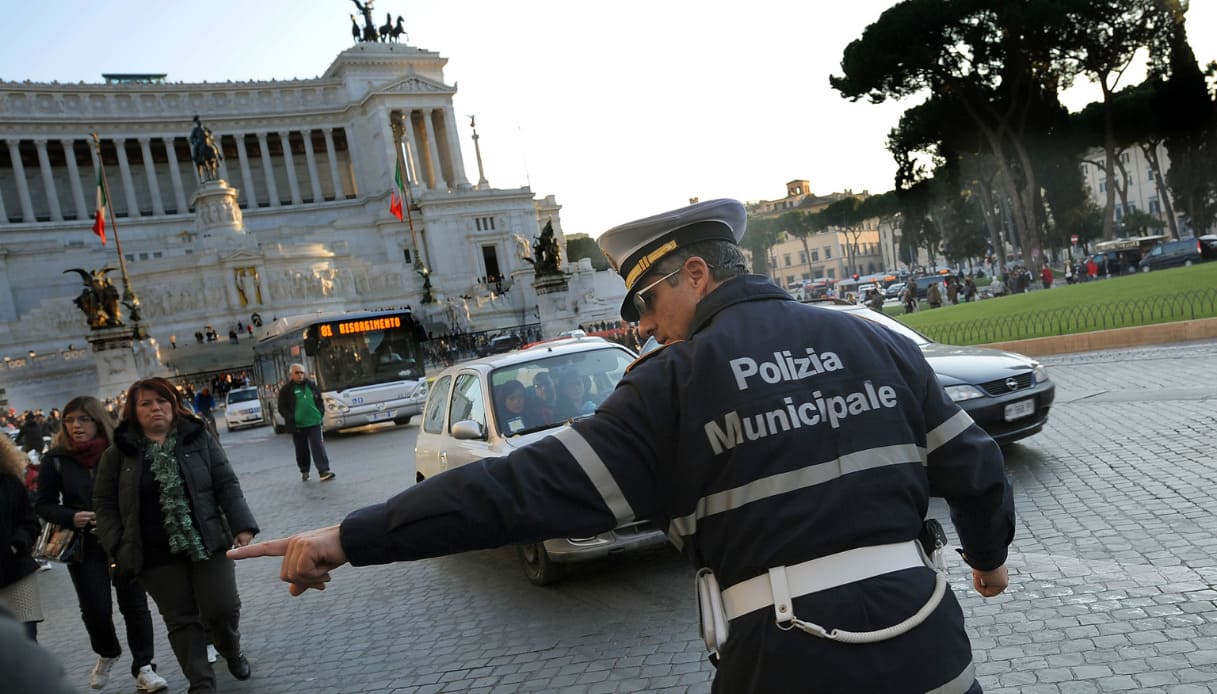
<point x="778" y="432"/>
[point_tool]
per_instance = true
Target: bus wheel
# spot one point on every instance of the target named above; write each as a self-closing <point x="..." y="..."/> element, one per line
<point x="402" y="421"/>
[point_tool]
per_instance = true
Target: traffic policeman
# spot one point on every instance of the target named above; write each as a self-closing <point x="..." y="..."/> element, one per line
<point x="790" y="450"/>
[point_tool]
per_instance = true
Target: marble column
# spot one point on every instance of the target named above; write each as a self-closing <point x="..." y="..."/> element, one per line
<point x="23" y="186"/>
<point x="407" y="134"/>
<point x="124" y="168"/>
<point x="154" y="187"/>
<point x="352" y="163"/>
<point x="332" y="155"/>
<point x="247" y="177"/>
<point x="78" y="195"/>
<point x="457" y="162"/>
<point x="437" y="171"/>
<point x="175" y="174"/>
<point x="272" y="190"/>
<point x="310" y="158"/>
<point x="289" y="163"/>
<point x="3" y="211"/>
<point x="48" y="181"/>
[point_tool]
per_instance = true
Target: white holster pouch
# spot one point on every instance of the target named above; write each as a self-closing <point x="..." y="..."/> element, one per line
<point x="782" y="584"/>
<point x="711" y="612"/>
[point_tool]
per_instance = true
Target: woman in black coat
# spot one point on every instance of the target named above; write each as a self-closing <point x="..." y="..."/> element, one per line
<point x="168" y="505"/>
<point x="18" y="532"/>
<point x="65" y="498"/>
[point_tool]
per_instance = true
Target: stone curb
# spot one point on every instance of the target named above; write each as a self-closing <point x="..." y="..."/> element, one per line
<point x="1158" y="334"/>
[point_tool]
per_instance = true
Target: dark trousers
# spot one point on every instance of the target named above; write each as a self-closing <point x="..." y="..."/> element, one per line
<point x="91" y="578"/>
<point x="196" y="598"/>
<point x="306" y="439"/>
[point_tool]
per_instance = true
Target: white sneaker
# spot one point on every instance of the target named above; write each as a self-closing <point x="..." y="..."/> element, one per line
<point x="101" y="672"/>
<point x="148" y="681"/>
<point x="212" y="654"/>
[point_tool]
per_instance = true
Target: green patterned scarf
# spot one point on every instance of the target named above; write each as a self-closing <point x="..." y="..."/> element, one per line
<point x="182" y="535"/>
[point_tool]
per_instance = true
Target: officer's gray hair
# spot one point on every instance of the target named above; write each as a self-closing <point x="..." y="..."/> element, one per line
<point x="725" y="259"/>
<point x="297" y="365"/>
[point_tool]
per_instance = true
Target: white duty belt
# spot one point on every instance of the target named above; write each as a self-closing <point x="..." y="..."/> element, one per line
<point x="782" y="584"/>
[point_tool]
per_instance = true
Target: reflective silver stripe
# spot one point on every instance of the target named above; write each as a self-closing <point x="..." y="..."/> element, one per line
<point x="594" y="467"/>
<point x="946" y="431"/>
<point x="794" y="480"/>
<point x="960" y="685"/>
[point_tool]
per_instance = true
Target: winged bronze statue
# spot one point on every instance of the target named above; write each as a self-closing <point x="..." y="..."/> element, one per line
<point x="99" y="299"/>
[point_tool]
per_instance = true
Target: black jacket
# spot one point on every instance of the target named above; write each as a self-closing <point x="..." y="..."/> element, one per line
<point x="19" y="530"/>
<point x="214" y="493"/>
<point x="64" y="487"/>
<point x="778" y="432"/>
<point x="287" y="401"/>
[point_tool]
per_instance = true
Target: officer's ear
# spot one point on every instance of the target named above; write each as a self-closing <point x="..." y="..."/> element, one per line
<point x="699" y="274"/>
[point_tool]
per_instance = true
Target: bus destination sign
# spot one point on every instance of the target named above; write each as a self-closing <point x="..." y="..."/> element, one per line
<point x="355" y="327"/>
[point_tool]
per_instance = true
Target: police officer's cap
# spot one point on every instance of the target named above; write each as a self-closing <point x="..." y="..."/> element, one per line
<point x="634" y="247"/>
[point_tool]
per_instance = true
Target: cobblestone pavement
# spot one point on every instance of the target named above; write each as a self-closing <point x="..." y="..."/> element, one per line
<point x="1112" y="588"/>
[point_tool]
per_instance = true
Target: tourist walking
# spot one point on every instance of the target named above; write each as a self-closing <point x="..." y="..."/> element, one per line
<point x="19" y="530"/>
<point x="302" y="410"/>
<point x="168" y="505"/>
<point x="65" y="498"/>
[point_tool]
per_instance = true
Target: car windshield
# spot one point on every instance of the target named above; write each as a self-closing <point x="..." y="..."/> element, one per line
<point x="891" y="324"/>
<point x="551" y="390"/>
<point x="242" y="396"/>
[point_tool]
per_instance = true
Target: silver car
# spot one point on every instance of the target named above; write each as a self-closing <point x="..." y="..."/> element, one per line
<point x="494" y="405"/>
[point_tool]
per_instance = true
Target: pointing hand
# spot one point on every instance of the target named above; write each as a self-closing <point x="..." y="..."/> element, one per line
<point x="308" y="557"/>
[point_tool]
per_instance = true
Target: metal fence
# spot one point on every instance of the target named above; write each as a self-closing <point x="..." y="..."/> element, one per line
<point x="1189" y="305"/>
<point x="445" y="350"/>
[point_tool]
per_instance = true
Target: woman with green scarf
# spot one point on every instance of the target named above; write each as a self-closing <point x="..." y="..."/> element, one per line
<point x="167" y="505"/>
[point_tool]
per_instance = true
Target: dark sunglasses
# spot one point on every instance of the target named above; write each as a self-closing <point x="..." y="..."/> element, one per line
<point x="642" y="304"/>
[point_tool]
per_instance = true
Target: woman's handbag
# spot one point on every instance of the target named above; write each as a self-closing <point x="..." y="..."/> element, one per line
<point x="64" y="545"/>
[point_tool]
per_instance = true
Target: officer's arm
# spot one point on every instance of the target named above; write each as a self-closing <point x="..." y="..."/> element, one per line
<point x="965" y="467"/>
<point x="582" y="481"/>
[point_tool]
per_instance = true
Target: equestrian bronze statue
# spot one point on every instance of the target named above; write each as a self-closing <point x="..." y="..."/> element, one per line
<point x="204" y="152"/>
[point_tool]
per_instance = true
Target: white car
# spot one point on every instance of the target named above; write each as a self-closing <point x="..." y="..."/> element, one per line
<point x="242" y="409"/>
<point x="462" y="424"/>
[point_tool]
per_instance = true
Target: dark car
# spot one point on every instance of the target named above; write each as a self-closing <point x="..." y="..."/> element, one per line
<point x="1180" y="253"/>
<point x="1006" y="393"/>
<point x="500" y="344"/>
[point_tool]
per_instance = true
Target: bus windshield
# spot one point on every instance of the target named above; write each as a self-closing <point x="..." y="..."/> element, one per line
<point x="368" y="358"/>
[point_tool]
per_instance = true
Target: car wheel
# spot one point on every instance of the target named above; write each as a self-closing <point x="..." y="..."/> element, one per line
<point x="538" y="567"/>
<point x="278" y="428"/>
<point x="418" y="477"/>
<point x="1144" y="268"/>
<point x="1187" y="263"/>
<point x="402" y="421"/>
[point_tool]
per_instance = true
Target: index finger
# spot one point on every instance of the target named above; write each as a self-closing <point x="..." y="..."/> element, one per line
<point x="269" y="548"/>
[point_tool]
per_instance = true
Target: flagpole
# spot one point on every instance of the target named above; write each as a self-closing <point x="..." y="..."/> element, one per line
<point x="425" y="270"/>
<point x="129" y="298"/>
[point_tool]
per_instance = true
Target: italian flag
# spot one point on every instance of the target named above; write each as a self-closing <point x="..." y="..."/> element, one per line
<point x="395" y="199"/>
<point x="99" y="218"/>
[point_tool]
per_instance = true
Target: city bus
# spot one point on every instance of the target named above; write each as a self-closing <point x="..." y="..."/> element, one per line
<point x="367" y="364"/>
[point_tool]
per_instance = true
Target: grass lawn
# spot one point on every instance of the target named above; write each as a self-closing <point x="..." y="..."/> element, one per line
<point x="1130" y="300"/>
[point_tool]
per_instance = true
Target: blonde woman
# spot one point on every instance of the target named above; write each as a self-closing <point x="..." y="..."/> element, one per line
<point x="19" y="530"/>
<point x="65" y="497"/>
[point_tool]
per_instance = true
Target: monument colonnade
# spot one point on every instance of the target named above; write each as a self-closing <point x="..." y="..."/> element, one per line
<point x="266" y="158"/>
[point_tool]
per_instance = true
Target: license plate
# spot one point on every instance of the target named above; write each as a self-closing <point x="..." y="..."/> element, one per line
<point x="378" y="416"/>
<point x="1020" y="409"/>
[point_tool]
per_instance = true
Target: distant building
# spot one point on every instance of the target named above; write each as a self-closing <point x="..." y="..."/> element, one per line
<point x="1141" y="185"/>
<point x="833" y="254"/>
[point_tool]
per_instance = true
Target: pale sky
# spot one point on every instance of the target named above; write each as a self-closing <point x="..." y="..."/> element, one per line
<point x="619" y="109"/>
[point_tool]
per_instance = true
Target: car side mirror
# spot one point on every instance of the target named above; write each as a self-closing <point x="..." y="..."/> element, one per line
<point x="467" y="429"/>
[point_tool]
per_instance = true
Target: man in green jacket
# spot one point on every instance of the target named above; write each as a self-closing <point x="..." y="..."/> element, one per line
<point x="302" y="410"/>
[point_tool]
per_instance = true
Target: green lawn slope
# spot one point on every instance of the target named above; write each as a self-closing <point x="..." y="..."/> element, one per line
<point x="1127" y="301"/>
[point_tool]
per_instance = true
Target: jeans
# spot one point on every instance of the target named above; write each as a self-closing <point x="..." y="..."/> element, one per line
<point x="91" y="578"/>
<point x="195" y="598"/>
<point x="306" y="439"/>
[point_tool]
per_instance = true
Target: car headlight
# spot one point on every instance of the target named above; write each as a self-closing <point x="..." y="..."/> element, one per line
<point x="1040" y="373"/>
<point x="335" y="406"/>
<point x="961" y="393"/>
